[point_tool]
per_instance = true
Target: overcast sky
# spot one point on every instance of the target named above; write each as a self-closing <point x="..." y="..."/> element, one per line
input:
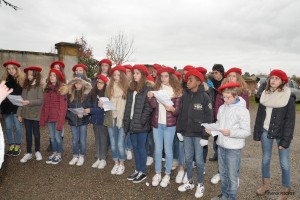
<point x="256" y="35"/>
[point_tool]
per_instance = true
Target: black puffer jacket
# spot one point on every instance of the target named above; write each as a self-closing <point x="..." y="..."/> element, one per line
<point x="196" y="109"/>
<point x="282" y="123"/>
<point x="6" y="106"/>
<point x="140" y="122"/>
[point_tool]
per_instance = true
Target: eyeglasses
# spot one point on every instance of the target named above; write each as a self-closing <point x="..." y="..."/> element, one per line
<point x="216" y="72"/>
<point x="100" y="83"/>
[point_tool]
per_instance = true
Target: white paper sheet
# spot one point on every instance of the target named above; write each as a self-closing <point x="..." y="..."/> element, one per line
<point x="107" y="105"/>
<point x="215" y="129"/>
<point x="15" y="99"/>
<point x="163" y="97"/>
<point x="78" y="111"/>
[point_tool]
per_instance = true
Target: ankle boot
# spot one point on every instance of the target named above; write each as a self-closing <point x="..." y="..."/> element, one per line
<point x="264" y="188"/>
<point x="284" y="193"/>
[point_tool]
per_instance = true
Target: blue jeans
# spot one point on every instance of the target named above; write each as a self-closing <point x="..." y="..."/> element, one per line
<point x="128" y="143"/>
<point x="11" y="121"/>
<point x="178" y="151"/>
<point x="229" y="168"/>
<point x="139" y="149"/>
<point x="193" y="149"/>
<point x="150" y="144"/>
<point x="284" y="158"/>
<point x="79" y="136"/>
<point x="117" y="142"/>
<point x="32" y="127"/>
<point x="55" y="137"/>
<point x="163" y="135"/>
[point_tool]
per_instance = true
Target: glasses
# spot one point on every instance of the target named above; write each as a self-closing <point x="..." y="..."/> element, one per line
<point x="227" y="98"/>
<point x="216" y="72"/>
<point x="100" y="83"/>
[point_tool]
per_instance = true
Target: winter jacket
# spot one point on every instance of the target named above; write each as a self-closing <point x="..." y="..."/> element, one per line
<point x="97" y="113"/>
<point x="35" y="96"/>
<point x="220" y="101"/>
<point x="140" y="122"/>
<point x="54" y="108"/>
<point x="282" y="123"/>
<point x="6" y="106"/>
<point x="196" y="109"/>
<point x="236" y="118"/>
<point x="171" y="116"/>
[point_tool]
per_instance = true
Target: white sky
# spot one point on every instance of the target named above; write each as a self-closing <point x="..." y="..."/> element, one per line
<point x="256" y="35"/>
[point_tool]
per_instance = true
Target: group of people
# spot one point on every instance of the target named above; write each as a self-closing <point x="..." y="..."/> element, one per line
<point x="200" y="106"/>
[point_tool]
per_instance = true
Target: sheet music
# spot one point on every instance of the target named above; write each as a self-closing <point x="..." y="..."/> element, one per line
<point x="15" y="99"/>
<point x="163" y="97"/>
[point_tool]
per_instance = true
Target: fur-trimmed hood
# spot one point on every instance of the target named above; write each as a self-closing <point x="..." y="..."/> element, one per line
<point x="87" y="87"/>
<point x="63" y="89"/>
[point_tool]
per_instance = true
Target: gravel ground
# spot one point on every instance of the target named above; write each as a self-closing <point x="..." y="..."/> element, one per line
<point x="37" y="180"/>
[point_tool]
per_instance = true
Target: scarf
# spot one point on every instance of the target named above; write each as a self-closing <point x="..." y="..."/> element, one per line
<point x="276" y="99"/>
<point x="119" y="103"/>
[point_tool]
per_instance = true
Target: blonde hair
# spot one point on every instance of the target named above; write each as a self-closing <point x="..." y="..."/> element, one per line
<point x="233" y="91"/>
<point x="174" y="83"/>
<point x="123" y="84"/>
<point x="19" y="76"/>
<point x="243" y="88"/>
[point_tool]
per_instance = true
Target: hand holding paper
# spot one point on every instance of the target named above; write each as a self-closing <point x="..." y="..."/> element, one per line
<point x="15" y="99"/>
<point x="163" y="97"/>
<point x="106" y="104"/>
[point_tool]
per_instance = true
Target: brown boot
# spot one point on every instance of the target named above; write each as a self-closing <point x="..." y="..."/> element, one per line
<point x="264" y="188"/>
<point x="284" y="193"/>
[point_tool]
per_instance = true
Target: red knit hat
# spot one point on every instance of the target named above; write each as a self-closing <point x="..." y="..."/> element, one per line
<point x="194" y="73"/>
<point x="166" y="69"/>
<point x="103" y="78"/>
<point x="281" y="74"/>
<point x="234" y="69"/>
<point x="142" y="68"/>
<point x="58" y="73"/>
<point x="157" y="66"/>
<point x="11" y="62"/>
<point x="202" y="70"/>
<point x="188" y="68"/>
<point x="178" y="75"/>
<point x="128" y="67"/>
<point x="105" y="60"/>
<point x="60" y="63"/>
<point x="119" y="68"/>
<point x="150" y="78"/>
<point x="79" y="65"/>
<point x="36" y="68"/>
<point x="228" y="85"/>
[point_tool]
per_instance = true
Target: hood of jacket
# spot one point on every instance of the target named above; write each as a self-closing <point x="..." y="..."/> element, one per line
<point x="87" y="87"/>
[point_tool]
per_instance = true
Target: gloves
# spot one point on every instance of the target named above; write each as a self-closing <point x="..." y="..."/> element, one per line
<point x="203" y="142"/>
<point x="180" y="137"/>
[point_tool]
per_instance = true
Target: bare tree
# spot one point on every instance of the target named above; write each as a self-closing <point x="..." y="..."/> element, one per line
<point x="119" y="49"/>
<point x="9" y="4"/>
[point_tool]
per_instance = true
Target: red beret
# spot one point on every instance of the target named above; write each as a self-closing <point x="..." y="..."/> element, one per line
<point x="194" y="73"/>
<point x="105" y="60"/>
<point x="58" y="73"/>
<point x="228" y="85"/>
<point x="178" y="75"/>
<point x="127" y="66"/>
<point x="188" y="68"/>
<point x="202" y="70"/>
<point x="142" y="68"/>
<point x="36" y="68"/>
<point x="234" y="69"/>
<point x="157" y="66"/>
<point x="119" y="68"/>
<point x="165" y="69"/>
<point x="281" y="74"/>
<point x="103" y="78"/>
<point x="61" y="64"/>
<point x="79" y="65"/>
<point x="11" y="62"/>
<point x="150" y="78"/>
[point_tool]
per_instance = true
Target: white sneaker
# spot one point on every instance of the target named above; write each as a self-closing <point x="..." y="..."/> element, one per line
<point x="185" y="178"/>
<point x="156" y="179"/>
<point x="200" y="191"/>
<point x="73" y="161"/>
<point x="186" y="186"/>
<point x="80" y="161"/>
<point x="114" y="170"/>
<point x="215" y="179"/>
<point x="129" y="155"/>
<point x="96" y="164"/>
<point x="149" y="161"/>
<point x="38" y="156"/>
<point x="102" y="164"/>
<point x="26" y="157"/>
<point x="165" y="181"/>
<point x="179" y="176"/>
<point x="121" y="169"/>
<point x="174" y="164"/>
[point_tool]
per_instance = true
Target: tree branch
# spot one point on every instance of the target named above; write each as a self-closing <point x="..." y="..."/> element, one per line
<point x="10" y="5"/>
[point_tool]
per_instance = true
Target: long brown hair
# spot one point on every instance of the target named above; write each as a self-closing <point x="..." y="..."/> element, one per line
<point x="48" y="84"/>
<point x="243" y="88"/>
<point x="138" y="86"/>
<point x="36" y="77"/>
<point x="100" y="70"/>
<point x="123" y="84"/>
<point x="279" y="89"/>
<point x="19" y="76"/>
<point x="174" y="83"/>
